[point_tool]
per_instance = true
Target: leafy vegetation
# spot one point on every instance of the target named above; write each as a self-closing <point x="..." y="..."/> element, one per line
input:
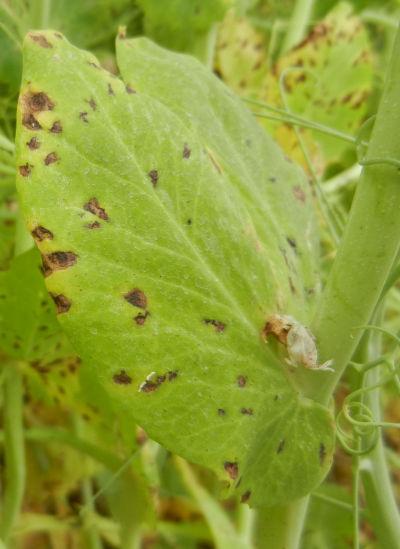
<point x="199" y="240"/>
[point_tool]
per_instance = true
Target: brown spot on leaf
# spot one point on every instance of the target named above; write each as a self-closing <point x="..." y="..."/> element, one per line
<point x="281" y="446"/>
<point x="217" y="324"/>
<point x="232" y="469"/>
<point x="172" y="375"/>
<point x="247" y="411"/>
<point x="92" y="104"/>
<point x="299" y="194"/>
<point x="129" y="89"/>
<point x="140" y="319"/>
<point x="41" y="40"/>
<point x="94" y="225"/>
<point x="122" y="378"/>
<point x="30" y="122"/>
<point x="57" y="261"/>
<point x="51" y="158"/>
<point x="186" y="151"/>
<point x="221" y="412"/>
<point x="322" y="453"/>
<point x="25" y="169"/>
<point x="33" y="143"/>
<point x="153" y="174"/>
<point x="41" y="233"/>
<point x="137" y="298"/>
<point x="292" y="242"/>
<point x="63" y="304"/>
<point x="94" y="207"/>
<point x="83" y="117"/>
<point x="245" y="497"/>
<point x="56" y="127"/>
<point x="241" y="381"/>
<point x="37" y="102"/>
<point x="110" y="90"/>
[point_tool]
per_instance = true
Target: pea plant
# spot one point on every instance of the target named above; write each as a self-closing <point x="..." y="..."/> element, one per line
<point x="199" y="306"/>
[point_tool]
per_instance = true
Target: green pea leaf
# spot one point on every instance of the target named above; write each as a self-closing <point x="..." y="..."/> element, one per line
<point x="178" y="227"/>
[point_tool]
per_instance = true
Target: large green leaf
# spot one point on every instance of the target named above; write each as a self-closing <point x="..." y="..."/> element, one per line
<point x="177" y="228"/>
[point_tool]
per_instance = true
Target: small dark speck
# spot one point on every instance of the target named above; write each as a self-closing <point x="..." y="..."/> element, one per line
<point x="171" y="375"/>
<point x="122" y="378"/>
<point x="153" y="174"/>
<point x="247" y="411"/>
<point x="83" y="117"/>
<point x="189" y="222"/>
<point x="245" y="497"/>
<point x="129" y="89"/>
<point x="186" y="151"/>
<point x="94" y="225"/>
<point x="322" y="453"/>
<point x="281" y="446"/>
<point x="221" y="412"/>
<point x="140" y="319"/>
<point x="292" y="242"/>
<point x="110" y="90"/>
<point x="241" y="381"/>
<point x="232" y="469"/>
<point x="92" y="104"/>
<point x="217" y="324"/>
<point x="272" y="179"/>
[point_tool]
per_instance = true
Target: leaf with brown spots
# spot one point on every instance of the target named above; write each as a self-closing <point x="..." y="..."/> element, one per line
<point x="183" y="308"/>
<point x="331" y="84"/>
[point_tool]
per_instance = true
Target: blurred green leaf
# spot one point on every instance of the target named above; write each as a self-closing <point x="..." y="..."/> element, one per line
<point x="28" y="325"/>
<point x="182" y="25"/>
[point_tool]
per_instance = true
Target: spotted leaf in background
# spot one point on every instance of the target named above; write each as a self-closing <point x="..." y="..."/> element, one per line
<point x="327" y="78"/>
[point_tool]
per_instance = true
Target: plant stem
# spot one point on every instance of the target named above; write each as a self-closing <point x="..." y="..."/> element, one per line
<point x="379" y="496"/>
<point x="280" y="527"/>
<point x="368" y="250"/>
<point x="298" y="24"/>
<point x="14" y="450"/>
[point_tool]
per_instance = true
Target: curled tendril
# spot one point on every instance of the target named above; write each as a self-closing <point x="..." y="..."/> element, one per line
<point x="357" y="431"/>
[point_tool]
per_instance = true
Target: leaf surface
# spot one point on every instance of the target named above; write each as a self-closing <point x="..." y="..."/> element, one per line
<point x="178" y="227"/>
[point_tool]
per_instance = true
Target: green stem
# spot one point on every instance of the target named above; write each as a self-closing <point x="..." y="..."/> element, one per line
<point x="368" y="249"/>
<point x="14" y="450"/>
<point x="298" y="24"/>
<point x="280" y="527"/>
<point x="375" y="476"/>
<point x="90" y="531"/>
